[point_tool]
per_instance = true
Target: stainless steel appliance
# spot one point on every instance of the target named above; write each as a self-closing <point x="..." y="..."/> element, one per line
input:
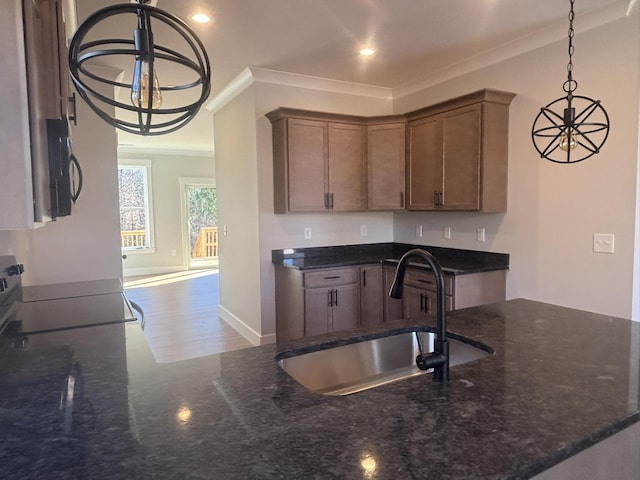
<point x="65" y="174"/>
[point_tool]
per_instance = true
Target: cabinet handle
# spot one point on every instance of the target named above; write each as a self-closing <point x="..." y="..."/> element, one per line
<point x="326" y="200"/>
<point x="332" y="277"/>
<point x="335" y="303"/>
<point x="421" y="303"/>
<point x="422" y="280"/>
<point x="75" y="191"/>
<point x="401" y="199"/>
<point x="364" y="278"/>
<point x="330" y="298"/>
<point x="74" y="115"/>
<point x="331" y="201"/>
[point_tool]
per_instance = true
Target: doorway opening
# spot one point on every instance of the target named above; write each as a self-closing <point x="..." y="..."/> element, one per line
<point x="200" y="212"/>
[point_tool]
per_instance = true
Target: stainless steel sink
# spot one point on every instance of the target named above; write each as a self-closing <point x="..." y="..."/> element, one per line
<point x="345" y="369"/>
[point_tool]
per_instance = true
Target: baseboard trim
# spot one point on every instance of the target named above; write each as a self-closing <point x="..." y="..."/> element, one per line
<point x="243" y="329"/>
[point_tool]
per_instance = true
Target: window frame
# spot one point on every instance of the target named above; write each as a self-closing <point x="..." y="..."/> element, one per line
<point x="145" y="167"/>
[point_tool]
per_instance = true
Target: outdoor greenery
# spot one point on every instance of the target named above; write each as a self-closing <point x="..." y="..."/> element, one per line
<point x="132" y="198"/>
<point x="203" y="211"/>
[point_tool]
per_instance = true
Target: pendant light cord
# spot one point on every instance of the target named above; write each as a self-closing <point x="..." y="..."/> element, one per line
<point x="570" y="85"/>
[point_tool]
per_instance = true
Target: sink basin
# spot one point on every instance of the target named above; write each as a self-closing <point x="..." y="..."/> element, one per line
<point x="364" y="364"/>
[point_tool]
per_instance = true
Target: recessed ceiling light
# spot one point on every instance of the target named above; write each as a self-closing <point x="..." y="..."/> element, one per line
<point x="367" y="52"/>
<point x="201" y="18"/>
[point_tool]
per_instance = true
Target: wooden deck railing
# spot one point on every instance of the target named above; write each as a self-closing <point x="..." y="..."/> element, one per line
<point x="206" y="243"/>
<point x="133" y="238"/>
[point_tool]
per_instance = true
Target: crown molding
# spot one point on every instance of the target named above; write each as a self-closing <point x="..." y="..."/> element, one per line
<point x="251" y="75"/>
<point x="132" y="152"/>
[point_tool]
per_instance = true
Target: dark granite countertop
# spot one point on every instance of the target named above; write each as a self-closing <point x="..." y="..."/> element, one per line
<point x="93" y="403"/>
<point x="454" y="261"/>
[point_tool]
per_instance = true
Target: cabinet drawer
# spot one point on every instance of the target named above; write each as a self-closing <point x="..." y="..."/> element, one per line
<point x="425" y="279"/>
<point x="331" y="278"/>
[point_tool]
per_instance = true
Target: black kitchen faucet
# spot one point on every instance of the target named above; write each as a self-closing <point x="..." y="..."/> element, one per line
<point x="439" y="358"/>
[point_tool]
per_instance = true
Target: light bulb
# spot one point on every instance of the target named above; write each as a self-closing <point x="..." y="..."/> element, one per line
<point x="141" y="90"/>
<point x="568" y="141"/>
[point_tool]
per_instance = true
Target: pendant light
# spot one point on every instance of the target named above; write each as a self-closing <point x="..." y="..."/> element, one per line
<point x="582" y="127"/>
<point x="155" y="108"/>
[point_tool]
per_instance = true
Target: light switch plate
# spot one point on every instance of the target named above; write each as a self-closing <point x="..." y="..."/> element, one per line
<point x="603" y="242"/>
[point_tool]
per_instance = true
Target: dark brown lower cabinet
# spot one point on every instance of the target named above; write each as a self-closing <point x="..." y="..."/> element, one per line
<point x="314" y="302"/>
<point x="329" y="309"/>
<point x="371" y="295"/>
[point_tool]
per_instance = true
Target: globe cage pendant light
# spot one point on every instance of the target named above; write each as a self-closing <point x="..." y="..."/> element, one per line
<point x="148" y="96"/>
<point x="580" y="130"/>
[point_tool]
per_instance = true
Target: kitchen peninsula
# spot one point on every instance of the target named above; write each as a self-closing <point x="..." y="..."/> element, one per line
<point x="559" y="381"/>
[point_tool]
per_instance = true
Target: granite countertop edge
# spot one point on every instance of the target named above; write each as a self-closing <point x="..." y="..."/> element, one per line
<point x="453" y="261"/>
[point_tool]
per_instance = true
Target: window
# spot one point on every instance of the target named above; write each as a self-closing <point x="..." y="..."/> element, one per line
<point x="135" y="215"/>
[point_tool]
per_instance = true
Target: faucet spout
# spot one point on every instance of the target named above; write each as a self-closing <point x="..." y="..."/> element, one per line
<point x="439" y="359"/>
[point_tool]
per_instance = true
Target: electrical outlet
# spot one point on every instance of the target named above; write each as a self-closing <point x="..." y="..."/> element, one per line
<point x="363" y="230"/>
<point x="419" y="231"/>
<point x="480" y="235"/>
<point x="307" y="232"/>
<point x="447" y="232"/>
<point x="604" y="242"/>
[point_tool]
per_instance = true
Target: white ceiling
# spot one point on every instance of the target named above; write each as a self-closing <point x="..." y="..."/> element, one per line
<point x="321" y="38"/>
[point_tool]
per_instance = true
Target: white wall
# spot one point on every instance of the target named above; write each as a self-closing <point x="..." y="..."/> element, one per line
<point x="554" y="210"/>
<point x="165" y="172"/>
<point x="7" y="242"/>
<point x="237" y="190"/>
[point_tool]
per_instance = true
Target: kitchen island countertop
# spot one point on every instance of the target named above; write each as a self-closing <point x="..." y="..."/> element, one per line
<point x="93" y="403"/>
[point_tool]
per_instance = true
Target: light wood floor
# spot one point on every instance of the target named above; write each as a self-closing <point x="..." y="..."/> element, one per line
<point x="181" y="315"/>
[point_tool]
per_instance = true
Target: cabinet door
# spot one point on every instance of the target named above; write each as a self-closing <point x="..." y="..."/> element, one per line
<point x="424" y="176"/>
<point x="386" y="166"/>
<point x="392" y="306"/>
<point x="345" y="311"/>
<point x="415" y="303"/>
<point x="317" y="310"/>
<point x="371" y="295"/>
<point x="307" y="165"/>
<point x="461" y="159"/>
<point x="347" y="178"/>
